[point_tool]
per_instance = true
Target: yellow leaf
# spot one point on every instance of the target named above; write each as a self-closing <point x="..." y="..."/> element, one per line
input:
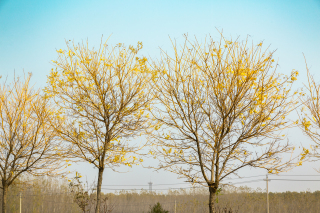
<point x="293" y="78"/>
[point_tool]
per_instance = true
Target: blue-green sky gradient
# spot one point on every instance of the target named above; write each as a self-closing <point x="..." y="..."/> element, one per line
<point x="32" y="30"/>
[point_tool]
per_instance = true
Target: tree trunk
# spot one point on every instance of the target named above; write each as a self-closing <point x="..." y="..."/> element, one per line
<point x="4" y="197"/>
<point x="212" y="191"/>
<point x="99" y="190"/>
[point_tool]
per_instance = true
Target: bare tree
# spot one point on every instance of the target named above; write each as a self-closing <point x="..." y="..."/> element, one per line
<point x="103" y="94"/>
<point x="28" y="143"/>
<point x="220" y="108"/>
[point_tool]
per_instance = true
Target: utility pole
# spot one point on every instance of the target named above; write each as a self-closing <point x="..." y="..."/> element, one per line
<point x="20" y="202"/>
<point x="267" y="180"/>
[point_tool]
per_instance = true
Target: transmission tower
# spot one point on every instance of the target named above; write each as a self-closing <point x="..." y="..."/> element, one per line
<point x="150" y="186"/>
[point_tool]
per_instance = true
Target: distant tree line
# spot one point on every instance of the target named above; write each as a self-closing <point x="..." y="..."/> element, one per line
<point x="52" y="195"/>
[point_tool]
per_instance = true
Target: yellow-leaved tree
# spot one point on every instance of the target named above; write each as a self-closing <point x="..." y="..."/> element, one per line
<point x="28" y="143"/>
<point x="310" y="115"/>
<point x="103" y="94"/>
<point x="220" y="107"/>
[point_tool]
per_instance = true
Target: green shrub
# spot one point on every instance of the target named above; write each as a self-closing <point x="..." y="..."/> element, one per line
<point x="157" y="209"/>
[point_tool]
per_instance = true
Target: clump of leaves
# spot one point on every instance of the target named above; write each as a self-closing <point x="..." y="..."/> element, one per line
<point x="157" y="208"/>
<point x="80" y="196"/>
<point x="83" y="196"/>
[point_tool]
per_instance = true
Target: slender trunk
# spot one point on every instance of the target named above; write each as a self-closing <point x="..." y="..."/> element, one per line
<point x="212" y="191"/>
<point x="99" y="190"/>
<point x="4" y="197"/>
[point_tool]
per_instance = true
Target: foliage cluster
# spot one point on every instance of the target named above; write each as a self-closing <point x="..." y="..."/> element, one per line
<point x="157" y="208"/>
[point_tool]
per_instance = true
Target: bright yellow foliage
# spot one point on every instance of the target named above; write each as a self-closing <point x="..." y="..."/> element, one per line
<point x="103" y="94"/>
<point x="28" y="142"/>
<point x="219" y="100"/>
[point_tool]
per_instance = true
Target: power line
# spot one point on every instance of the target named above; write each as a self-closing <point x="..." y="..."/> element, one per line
<point x="243" y="177"/>
<point x="154" y="189"/>
<point x="293" y="180"/>
<point x="27" y="195"/>
<point x="251" y="181"/>
<point x="164" y="184"/>
<point x="268" y="174"/>
<point x="169" y="184"/>
<point x="192" y="187"/>
<point x="293" y="175"/>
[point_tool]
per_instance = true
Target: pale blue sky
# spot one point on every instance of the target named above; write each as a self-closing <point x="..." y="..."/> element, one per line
<point x="31" y="31"/>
